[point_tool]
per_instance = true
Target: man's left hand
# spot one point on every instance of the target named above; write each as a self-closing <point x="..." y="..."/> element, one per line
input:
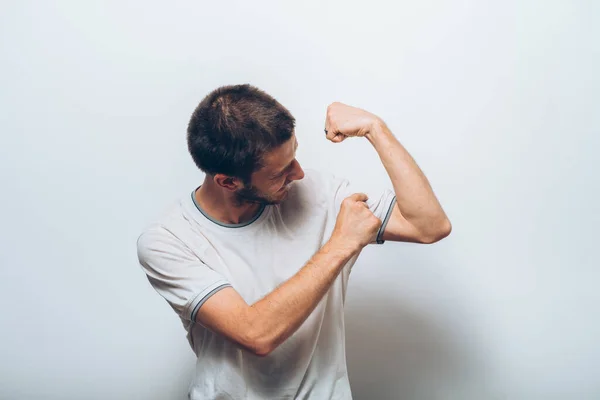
<point x="343" y="121"/>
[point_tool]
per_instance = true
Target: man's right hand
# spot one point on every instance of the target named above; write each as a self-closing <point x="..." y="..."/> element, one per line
<point x="356" y="225"/>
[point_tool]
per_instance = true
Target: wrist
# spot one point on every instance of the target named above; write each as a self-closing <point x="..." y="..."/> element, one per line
<point x="378" y="132"/>
<point x="342" y="247"/>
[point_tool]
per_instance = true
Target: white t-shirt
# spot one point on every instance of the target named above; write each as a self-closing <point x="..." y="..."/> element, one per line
<point x="188" y="256"/>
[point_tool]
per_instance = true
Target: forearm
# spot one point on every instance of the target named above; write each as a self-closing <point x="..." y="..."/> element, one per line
<point x="414" y="196"/>
<point x="279" y="314"/>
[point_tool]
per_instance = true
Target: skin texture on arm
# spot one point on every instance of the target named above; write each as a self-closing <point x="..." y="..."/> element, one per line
<point x="417" y="216"/>
<point x="264" y="325"/>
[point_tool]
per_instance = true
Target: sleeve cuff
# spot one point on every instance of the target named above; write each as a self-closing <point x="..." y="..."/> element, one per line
<point x="192" y="308"/>
<point x="385" y="221"/>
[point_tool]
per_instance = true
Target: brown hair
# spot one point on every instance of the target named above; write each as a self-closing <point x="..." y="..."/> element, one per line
<point x="233" y="127"/>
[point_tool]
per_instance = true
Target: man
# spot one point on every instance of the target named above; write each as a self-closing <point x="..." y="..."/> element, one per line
<point x="256" y="260"/>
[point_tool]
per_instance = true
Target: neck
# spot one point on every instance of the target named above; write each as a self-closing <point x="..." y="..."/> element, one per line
<point x="220" y="204"/>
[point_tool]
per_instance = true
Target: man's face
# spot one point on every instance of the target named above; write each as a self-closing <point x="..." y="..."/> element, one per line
<point x="270" y="185"/>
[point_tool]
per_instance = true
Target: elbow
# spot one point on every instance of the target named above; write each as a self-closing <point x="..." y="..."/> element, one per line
<point x="443" y="229"/>
<point x="257" y="342"/>
<point x="261" y="354"/>
<point x="261" y="348"/>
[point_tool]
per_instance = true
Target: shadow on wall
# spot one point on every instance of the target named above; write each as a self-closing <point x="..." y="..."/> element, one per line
<point x="395" y="353"/>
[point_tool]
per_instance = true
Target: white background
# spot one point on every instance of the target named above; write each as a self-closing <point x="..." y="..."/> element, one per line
<point x="498" y="102"/>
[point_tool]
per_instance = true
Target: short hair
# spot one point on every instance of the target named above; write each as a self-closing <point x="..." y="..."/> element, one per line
<point x="233" y="127"/>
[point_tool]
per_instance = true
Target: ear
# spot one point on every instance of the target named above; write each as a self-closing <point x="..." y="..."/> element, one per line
<point x="228" y="182"/>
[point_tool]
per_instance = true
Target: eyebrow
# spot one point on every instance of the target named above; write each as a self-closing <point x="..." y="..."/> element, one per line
<point x="287" y="166"/>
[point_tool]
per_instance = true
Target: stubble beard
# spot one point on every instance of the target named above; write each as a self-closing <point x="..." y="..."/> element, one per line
<point x="251" y="195"/>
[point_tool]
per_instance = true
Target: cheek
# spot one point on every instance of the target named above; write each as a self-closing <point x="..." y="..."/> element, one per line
<point x="276" y="185"/>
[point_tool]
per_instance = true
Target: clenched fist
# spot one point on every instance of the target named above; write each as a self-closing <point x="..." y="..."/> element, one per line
<point x="356" y="225"/>
<point x="344" y="121"/>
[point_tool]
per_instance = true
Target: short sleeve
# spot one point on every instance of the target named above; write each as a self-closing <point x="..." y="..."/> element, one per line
<point x="380" y="204"/>
<point x="176" y="273"/>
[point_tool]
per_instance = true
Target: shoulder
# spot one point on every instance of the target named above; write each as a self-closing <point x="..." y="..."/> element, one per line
<point x="324" y="184"/>
<point x="317" y="189"/>
<point x="317" y="181"/>
<point x="169" y="230"/>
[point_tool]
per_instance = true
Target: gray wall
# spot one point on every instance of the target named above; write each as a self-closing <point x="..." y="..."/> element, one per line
<point x="497" y="101"/>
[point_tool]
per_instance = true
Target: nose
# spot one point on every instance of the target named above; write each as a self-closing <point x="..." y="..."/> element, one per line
<point x="297" y="172"/>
